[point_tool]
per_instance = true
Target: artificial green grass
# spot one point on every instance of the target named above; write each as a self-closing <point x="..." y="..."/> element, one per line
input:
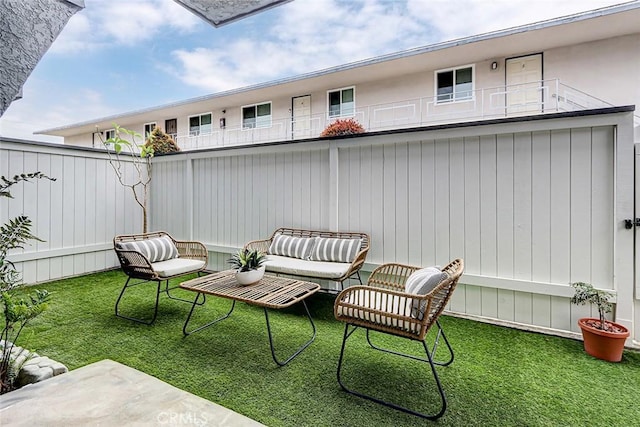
<point x="500" y="376"/>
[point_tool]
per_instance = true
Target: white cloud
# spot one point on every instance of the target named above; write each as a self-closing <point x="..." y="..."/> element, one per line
<point x="308" y="36"/>
<point x="122" y="22"/>
<point x="462" y="18"/>
<point x="314" y="34"/>
<point x="207" y="68"/>
<point x="39" y="109"/>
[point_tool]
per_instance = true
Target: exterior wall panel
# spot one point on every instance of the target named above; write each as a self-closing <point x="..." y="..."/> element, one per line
<point x="76" y="216"/>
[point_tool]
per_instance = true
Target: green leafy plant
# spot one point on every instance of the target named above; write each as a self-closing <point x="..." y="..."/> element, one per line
<point x="16" y="311"/>
<point x="342" y="127"/>
<point x="161" y="143"/>
<point x="125" y="143"/>
<point x="586" y="293"/>
<point x="246" y="260"/>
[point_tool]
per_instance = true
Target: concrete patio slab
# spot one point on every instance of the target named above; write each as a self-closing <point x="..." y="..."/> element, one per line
<point x="107" y="393"/>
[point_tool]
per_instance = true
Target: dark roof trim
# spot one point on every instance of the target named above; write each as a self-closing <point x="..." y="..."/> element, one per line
<point x="232" y="17"/>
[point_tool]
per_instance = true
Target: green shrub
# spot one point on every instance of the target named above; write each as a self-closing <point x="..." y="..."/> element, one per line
<point x="161" y="142"/>
<point x="16" y="311"/>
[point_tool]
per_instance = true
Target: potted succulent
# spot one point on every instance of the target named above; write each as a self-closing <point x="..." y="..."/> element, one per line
<point x="248" y="265"/>
<point x="603" y="338"/>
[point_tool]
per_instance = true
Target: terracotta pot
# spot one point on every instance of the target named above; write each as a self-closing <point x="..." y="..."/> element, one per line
<point x="250" y="277"/>
<point x="605" y="345"/>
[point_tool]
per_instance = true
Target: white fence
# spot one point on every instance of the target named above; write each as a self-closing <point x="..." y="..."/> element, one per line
<point x="76" y="216"/>
<point x="530" y="205"/>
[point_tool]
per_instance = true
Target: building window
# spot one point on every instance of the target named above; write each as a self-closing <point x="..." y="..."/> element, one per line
<point x="454" y="85"/>
<point x="256" y="116"/>
<point x="200" y="124"/>
<point x="108" y="134"/>
<point x="148" y="128"/>
<point x="342" y="102"/>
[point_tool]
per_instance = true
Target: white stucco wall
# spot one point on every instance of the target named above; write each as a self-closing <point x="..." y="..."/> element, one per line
<point x="606" y="69"/>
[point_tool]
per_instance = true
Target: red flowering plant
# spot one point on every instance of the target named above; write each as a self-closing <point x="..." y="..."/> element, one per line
<point x="342" y="127"/>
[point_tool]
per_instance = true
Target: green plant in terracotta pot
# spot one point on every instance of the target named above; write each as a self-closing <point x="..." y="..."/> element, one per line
<point x="603" y="338"/>
<point x="248" y="265"/>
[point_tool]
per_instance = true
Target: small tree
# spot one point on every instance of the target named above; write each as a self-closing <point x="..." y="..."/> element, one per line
<point x="140" y="155"/>
<point x="586" y="293"/>
<point x="17" y="312"/>
<point x="161" y="143"/>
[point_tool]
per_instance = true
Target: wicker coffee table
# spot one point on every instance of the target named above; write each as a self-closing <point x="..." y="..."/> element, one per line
<point x="272" y="292"/>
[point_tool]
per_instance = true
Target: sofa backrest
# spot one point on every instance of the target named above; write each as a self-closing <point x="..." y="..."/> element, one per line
<point x="325" y="233"/>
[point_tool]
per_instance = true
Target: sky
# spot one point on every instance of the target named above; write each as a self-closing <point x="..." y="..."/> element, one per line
<point x="116" y="56"/>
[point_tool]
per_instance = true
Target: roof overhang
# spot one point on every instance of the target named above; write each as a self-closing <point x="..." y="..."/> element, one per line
<point x="600" y="24"/>
<point x="222" y="12"/>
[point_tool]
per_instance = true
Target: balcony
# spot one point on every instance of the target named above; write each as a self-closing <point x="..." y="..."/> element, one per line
<point x="541" y="97"/>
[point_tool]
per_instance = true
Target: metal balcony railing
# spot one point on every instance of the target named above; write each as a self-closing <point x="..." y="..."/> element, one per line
<point x="540" y="97"/>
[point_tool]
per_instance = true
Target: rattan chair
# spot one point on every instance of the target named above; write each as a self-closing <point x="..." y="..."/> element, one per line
<point x="383" y="306"/>
<point x="192" y="257"/>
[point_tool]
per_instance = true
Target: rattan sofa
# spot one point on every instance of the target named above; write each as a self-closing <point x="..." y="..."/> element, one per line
<point x="319" y="254"/>
<point x="156" y="257"/>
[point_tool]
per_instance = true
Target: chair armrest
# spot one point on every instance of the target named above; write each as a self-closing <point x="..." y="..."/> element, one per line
<point x="356" y="264"/>
<point x="192" y="250"/>
<point x="135" y="264"/>
<point x="258" y="245"/>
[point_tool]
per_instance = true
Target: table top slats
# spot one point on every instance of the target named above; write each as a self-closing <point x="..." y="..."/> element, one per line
<point x="271" y="291"/>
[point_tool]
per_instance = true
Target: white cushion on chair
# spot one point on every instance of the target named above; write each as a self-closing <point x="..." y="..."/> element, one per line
<point x="373" y="299"/>
<point x="173" y="267"/>
<point x="301" y="267"/>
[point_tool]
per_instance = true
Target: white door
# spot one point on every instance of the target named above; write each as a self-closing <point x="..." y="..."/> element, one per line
<point x="301" y="117"/>
<point x="524" y="84"/>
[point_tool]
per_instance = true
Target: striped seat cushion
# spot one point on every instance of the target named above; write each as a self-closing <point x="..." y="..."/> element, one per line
<point x="155" y="249"/>
<point x="335" y="250"/>
<point x="290" y="246"/>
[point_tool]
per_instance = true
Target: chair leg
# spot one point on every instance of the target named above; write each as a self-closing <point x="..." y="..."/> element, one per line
<point x="435" y="346"/>
<point x="443" y="398"/>
<point x="433" y="349"/>
<point x="134" y="319"/>
<point x="167" y="289"/>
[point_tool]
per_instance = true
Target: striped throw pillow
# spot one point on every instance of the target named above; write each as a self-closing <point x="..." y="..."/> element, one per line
<point x="290" y="246"/>
<point x="421" y="282"/>
<point x="156" y="249"/>
<point x="335" y="250"/>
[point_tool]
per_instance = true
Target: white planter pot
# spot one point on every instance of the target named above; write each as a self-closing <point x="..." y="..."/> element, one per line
<point x="250" y="277"/>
